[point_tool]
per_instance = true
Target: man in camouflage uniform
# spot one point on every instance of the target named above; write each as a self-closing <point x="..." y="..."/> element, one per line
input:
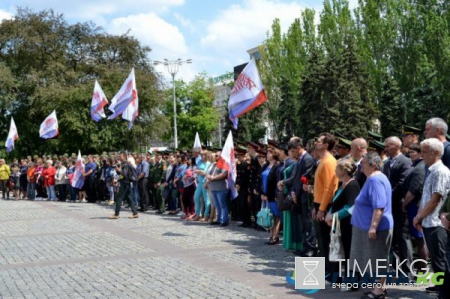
<point x="158" y="172"/>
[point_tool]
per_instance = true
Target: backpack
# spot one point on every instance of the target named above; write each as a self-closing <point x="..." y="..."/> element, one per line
<point x="130" y="173"/>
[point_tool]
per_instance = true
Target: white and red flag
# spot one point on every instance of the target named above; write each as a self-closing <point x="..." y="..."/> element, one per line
<point x="227" y="161"/>
<point x="49" y="128"/>
<point x="12" y="136"/>
<point x="126" y="100"/>
<point x="99" y="101"/>
<point x="247" y="93"/>
<point x="78" y="178"/>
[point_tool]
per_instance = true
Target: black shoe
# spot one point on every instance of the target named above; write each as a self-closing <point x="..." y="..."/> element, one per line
<point x="244" y="225"/>
<point x="434" y="289"/>
<point x="309" y="253"/>
<point x="273" y="241"/>
<point x="215" y="223"/>
<point x="224" y="224"/>
<point x="299" y="252"/>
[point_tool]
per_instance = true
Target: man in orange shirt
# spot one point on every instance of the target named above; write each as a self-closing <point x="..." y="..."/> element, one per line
<point x="325" y="185"/>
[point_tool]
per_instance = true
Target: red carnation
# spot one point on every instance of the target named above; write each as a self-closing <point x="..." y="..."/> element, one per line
<point x="304" y="180"/>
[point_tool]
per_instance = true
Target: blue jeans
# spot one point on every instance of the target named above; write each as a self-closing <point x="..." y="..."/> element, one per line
<point x="135" y="194"/>
<point x="73" y="193"/>
<point x="220" y="201"/>
<point x="51" y="193"/>
<point x="201" y="192"/>
<point x="31" y="190"/>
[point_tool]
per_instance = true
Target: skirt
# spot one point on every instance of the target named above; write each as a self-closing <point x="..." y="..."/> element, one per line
<point x="364" y="249"/>
<point x="288" y="242"/>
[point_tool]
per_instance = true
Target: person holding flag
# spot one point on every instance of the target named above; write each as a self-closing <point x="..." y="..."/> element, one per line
<point x="12" y="136"/>
<point x="247" y="94"/>
<point x="77" y="180"/>
<point x="99" y="101"/>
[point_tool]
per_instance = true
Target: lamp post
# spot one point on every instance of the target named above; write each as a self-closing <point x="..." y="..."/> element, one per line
<point x="173" y="67"/>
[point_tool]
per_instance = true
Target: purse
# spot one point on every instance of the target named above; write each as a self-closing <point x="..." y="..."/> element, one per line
<point x="284" y="202"/>
<point x="264" y="218"/>
<point x="336" y="247"/>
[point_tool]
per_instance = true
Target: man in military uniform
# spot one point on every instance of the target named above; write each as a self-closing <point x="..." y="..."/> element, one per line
<point x="343" y="148"/>
<point x="151" y="182"/>
<point x="159" y="170"/>
<point x="242" y="186"/>
<point x="410" y="135"/>
<point x="253" y="174"/>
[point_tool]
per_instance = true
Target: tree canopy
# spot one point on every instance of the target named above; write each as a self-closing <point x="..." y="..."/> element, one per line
<point x="385" y="60"/>
<point x="195" y="111"/>
<point x="47" y="64"/>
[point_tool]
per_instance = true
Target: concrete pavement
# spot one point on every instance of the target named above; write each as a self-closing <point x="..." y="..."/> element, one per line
<point x="67" y="250"/>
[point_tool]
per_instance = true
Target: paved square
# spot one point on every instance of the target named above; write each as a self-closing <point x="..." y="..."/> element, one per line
<point x="66" y="250"/>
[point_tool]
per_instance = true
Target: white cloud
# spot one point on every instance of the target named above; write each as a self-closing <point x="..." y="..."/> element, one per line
<point x="244" y="26"/>
<point x="241" y="27"/>
<point x="4" y="15"/>
<point x="185" y="22"/>
<point x="90" y="10"/>
<point x="165" y="39"/>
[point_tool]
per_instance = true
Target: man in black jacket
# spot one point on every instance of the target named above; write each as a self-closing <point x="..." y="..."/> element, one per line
<point x="125" y="191"/>
<point x="302" y="210"/>
<point x="242" y="186"/>
<point x="397" y="168"/>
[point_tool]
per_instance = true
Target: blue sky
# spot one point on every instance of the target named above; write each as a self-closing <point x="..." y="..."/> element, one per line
<point x="215" y="34"/>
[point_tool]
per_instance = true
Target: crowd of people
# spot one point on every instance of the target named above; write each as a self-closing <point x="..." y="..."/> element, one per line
<point x="390" y="196"/>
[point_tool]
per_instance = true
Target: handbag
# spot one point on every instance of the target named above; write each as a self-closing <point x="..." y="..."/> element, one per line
<point x="284" y="202"/>
<point x="336" y="247"/>
<point x="264" y="218"/>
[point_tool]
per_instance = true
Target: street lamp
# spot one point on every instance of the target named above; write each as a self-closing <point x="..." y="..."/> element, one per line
<point x="173" y="67"/>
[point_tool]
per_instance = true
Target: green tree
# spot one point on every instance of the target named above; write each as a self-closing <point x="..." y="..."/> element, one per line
<point x="49" y="65"/>
<point x="195" y="111"/>
<point x="392" y="108"/>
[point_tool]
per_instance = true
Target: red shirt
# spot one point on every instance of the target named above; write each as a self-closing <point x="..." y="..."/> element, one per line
<point x="49" y="176"/>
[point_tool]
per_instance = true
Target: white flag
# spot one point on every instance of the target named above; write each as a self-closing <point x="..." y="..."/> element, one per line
<point x="12" y="136"/>
<point x="49" y="128"/>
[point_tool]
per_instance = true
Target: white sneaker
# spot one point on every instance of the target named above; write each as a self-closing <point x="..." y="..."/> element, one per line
<point x="181" y="214"/>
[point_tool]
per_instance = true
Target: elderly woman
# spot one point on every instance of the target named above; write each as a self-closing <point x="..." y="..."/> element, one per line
<point x="61" y="180"/>
<point x="372" y="221"/>
<point x="343" y="200"/>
